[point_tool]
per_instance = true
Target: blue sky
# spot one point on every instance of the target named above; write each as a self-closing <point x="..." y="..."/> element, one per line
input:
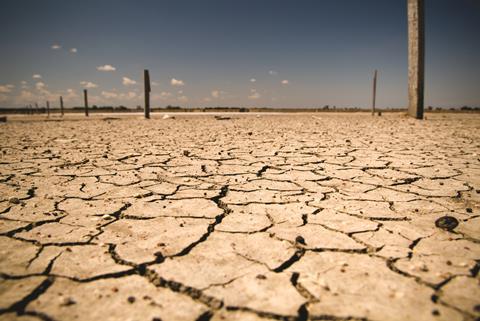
<point x="277" y="53"/>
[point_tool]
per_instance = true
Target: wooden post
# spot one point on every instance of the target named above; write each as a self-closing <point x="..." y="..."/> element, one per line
<point x="36" y="108"/>
<point x="61" y="105"/>
<point x="416" y="58"/>
<point x="374" y="99"/>
<point x="85" y="98"/>
<point x="48" y="108"/>
<point x="146" y="78"/>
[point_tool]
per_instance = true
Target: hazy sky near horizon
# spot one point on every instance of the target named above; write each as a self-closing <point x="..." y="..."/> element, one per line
<point x="277" y="53"/>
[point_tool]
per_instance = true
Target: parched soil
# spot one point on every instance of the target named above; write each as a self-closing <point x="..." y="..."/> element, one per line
<point x="243" y="217"/>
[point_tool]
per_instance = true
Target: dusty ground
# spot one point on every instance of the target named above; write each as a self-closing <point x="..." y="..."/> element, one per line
<point x="291" y="217"/>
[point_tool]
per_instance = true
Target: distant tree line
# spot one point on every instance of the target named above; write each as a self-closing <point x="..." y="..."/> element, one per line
<point x="170" y="108"/>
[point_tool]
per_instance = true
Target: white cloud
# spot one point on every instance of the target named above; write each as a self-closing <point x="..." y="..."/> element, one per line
<point x="127" y="81"/>
<point x="285" y="82"/>
<point x="183" y="99"/>
<point x="253" y="80"/>
<point x="71" y="95"/>
<point x="120" y="96"/>
<point x="177" y="82"/>
<point x="88" y="84"/>
<point x="4" y="89"/>
<point x="25" y="97"/>
<point x="254" y="94"/>
<point x="73" y="50"/>
<point x="106" y="68"/>
<point x="217" y="94"/>
<point x="40" y="85"/>
<point x="162" y="96"/>
<point x="42" y="93"/>
<point x="39" y="92"/>
<point x="37" y="76"/>
<point x="109" y="94"/>
<point x="56" y="47"/>
<point x="131" y="95"/>
<point x="154" y="83"/>
<point x="272" y="72"/>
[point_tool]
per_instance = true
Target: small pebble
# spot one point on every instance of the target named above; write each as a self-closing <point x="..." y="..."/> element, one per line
<point x="448" y="223"/>
<point x="299" y="239"/>
<point x="14" y="200"/>
<point x="67" y="301"/>
<point x="131" y="299"/>
<point x="424" y="268"/>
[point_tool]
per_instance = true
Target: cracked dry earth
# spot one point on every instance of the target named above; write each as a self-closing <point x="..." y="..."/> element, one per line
<point x="283" y="217"/>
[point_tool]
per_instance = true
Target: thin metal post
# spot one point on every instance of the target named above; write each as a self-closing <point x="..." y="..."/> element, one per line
<point x="374" y="92"/>
<point x="61" y="105"/>
<point x="146" y="78"/>
<point x="85" y="98"/>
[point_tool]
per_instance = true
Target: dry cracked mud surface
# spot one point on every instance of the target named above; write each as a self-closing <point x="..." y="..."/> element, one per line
<point x="275" y="217"/>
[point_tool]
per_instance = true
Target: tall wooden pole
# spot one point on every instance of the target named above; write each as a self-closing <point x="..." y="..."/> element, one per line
<point x="61" y="105"/>
<point x="374" y="98"/>
<point x="416" y="58"/>
<point x="146" y="78"/>
<point x="48" y="108"/>
<point x="85" y="98"/>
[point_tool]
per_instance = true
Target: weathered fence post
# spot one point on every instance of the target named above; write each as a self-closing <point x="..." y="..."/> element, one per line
<point x="48" y="108"/>
<point x="374" y="99"/>
<point x="146" y="78"/>
<point x="61" y="105"/>
<point x="416" y="58"/>
<point x="85" y="98"/>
